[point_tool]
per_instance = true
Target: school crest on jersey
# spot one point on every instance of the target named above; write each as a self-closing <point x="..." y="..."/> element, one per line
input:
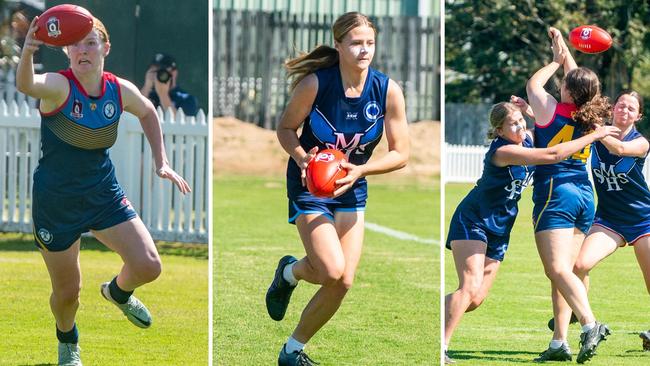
<point x="518" y="184"/>
<point x="613" y="176"/>
<point x="348" y="142"/>
<point x="77" y="109"/>
<point x="371" y="111"/>
<point x="109" y="109"/>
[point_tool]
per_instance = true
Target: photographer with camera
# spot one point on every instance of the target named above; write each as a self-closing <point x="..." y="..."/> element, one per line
<point x="161" y="88"/>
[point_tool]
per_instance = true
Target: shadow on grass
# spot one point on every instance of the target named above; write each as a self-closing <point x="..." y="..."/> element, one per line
<point x="17" y="242"/>
<point x="490" y="355"/>
<point x="38" y="364"/>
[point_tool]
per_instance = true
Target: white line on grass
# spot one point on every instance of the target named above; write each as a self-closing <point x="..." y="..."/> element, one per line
<point x="398" y="234"/>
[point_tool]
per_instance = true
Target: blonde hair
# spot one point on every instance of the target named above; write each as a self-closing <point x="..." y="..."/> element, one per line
<point x="498" y="114"/>
<point x="325" y="56"/>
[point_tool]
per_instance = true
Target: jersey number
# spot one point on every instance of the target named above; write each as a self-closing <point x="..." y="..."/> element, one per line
<point x="565" y="135"/>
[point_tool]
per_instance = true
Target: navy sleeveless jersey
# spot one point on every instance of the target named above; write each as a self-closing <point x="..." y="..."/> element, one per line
<point x="352" y="125"/>
<point x="493" y="201"/>
<point x="623" y="195"/>
<point x="562" y="128"/>
<point x="75" y="139"/>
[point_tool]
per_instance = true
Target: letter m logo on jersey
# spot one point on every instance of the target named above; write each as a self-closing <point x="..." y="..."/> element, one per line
<point x="344" y="143"/>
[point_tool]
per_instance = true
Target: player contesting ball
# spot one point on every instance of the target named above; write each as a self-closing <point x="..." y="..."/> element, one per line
<point x="563" y="197"/>
<point x="479" y="231"/>
<point x="75" y="189"/>
<point x="344" y="104"/>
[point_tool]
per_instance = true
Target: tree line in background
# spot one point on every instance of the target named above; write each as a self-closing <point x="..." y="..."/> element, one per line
<point x="493" y="47"/>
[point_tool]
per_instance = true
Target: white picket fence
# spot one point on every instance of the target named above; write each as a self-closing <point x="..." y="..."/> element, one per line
<point x="464" y="164"/>
<point x="168" y="214"/>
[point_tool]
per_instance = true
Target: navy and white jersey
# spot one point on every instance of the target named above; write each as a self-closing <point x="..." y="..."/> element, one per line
<point x="623" y="195"/>
<point x="352" y="125"/>
<point x="492" y="203"/>
<point x="75" y="139"/>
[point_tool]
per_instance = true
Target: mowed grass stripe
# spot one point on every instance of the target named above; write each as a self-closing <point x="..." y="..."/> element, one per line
<point x="510" y="327"/>
<point x="390" y="317"/>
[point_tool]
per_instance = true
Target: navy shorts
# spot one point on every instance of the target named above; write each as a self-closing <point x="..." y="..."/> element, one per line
<point x="462" y="229"/>
<point x="59" y="221"/>
<point x="563" y="204"/>
<point x="629" y="233"/>
<point x="303" y="202"/>
<point x="326" y="207"/>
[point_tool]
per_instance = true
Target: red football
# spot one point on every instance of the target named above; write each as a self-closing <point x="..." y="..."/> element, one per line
<point x="590" y="39"/>
<point x="63" y="25"/>
<point x="323" y="171"/>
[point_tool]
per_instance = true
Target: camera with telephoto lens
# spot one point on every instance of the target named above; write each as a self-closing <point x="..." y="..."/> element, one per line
<point x="163" y="75"/>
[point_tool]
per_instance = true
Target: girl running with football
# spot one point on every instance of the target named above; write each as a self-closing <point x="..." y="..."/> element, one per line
<point x="479" y="231"/>
<point x="80" y="108"/>
<point x="341" y="103"/>
<point x="562" y="195"/>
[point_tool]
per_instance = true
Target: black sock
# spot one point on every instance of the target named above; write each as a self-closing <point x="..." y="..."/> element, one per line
<point x="119" y="295"/>
<point x="71" y="336"/>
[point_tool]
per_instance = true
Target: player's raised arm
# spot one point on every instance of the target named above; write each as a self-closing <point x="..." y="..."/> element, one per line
<point x="49" y="86"/>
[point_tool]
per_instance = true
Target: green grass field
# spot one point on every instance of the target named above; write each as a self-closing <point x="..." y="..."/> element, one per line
<point x="391" y="315"/>
<point x="178" y="301"/>
<point x="510" y="327"/>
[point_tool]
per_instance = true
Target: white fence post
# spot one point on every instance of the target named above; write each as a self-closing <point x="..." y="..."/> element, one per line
<point x="168" y="214"/>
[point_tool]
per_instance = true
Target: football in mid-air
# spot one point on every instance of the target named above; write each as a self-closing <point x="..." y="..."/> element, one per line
<point x="590" y="39"/>
<point x="323" y="171"/>
<point x="63" y="25"/>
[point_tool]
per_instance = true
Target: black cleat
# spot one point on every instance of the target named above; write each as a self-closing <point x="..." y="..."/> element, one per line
<point x="646" y="340"/>
<point x="590" y="340"/>
<point x="298" y="358"/>
<point x="279" y="293"/>
<point x="561" y="353"/>
<point x="551" y="322"/>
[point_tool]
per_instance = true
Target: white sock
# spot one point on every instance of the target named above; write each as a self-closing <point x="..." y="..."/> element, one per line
<point x="446" y="346"/>
<point x="556" y="343"/>
<point x="589" y="326"/>
<point x="287" y="274"/>
<point x="293" y="345"/>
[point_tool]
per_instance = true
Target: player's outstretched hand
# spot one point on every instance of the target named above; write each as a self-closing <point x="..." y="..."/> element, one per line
<point x="311" y="154"/>
<point x="166" y="172"/>
<point x="603" y="131"/>
<point x="559" y="52"/>
<point x="344" y="184"/>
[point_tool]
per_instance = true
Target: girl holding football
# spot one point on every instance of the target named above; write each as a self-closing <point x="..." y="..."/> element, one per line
<point x="479" y="231"/>
<point x="341" y="103"/>
<point x="562" y="195"/>
<point x="80" y="108"/>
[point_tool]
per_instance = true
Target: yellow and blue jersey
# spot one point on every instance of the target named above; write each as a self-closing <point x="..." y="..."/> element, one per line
<point x="562" y="193"/>
<point x="561" y="128"/>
